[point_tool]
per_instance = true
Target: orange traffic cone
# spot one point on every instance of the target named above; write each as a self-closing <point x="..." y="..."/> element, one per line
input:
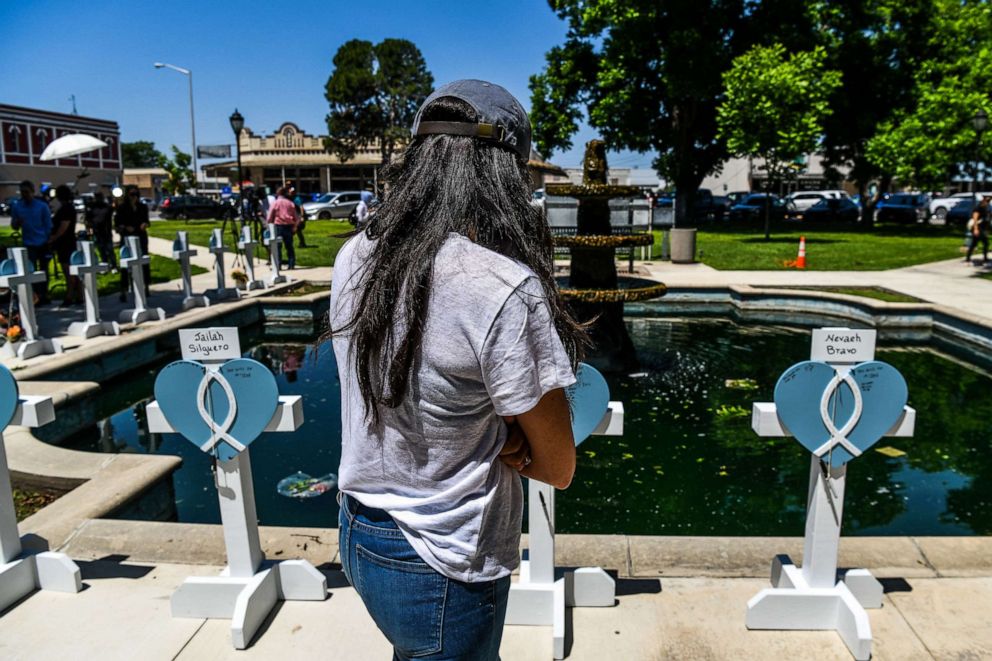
<point x="801" y="259"/>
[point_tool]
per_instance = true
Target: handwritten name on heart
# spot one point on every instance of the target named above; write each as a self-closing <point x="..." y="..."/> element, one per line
<point x="224" y="415"/>
<point x="589" y="399"/>
<point x="837" y="415"/>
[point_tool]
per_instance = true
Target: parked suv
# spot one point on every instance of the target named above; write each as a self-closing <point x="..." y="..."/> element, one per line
<point x="185" y="207"/>
<point x="904" y="208"/>
<point x="332" y="205"/>
<point x="802" y="200"/>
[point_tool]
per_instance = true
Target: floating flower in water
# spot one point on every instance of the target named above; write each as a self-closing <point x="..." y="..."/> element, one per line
<point x="301" y="485"/>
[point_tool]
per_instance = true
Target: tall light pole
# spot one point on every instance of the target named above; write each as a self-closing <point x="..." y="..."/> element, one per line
<point x="192" y="120"/>
<point x="238" y="123"/>
<point x="979" y="122"/>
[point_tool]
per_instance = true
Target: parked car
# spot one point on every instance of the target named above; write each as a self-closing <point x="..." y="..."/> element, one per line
<point x="5" y="206"/>
<point x="802" y="200"/>
<point x="185" y="207"/>
<point x="904" y="208"/>
<point x="941" y="205"/>
<point x="736" y="196"/>
<point x="834" y="210"/>
<point x="706" y="206"/>
<point x="960" y="213"/>
<point x="332" y="205"/>
<point x="752" y="208"/>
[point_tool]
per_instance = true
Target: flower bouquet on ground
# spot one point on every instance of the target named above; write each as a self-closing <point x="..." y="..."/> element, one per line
<point x="12" y="336"/>
<point x="240" y="278"/>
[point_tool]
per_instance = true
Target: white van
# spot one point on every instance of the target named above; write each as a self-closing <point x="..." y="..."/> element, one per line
<point x="804" y="199"/>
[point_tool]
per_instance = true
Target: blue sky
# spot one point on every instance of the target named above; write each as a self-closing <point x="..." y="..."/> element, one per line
<point x="270" y="60"/>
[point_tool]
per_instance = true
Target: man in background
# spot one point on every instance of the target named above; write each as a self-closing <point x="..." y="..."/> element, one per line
<point x="33" y="217"/>
<point x="100" y="225"/>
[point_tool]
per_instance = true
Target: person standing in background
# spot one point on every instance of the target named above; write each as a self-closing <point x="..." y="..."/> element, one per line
<point x="302" y="224"/>
<point x="63" y="243"/>
<point x="33" y="217"/>
<point x="100" y="226"/>
<point x="978" y="226"/>
<point x="132" y="220"/>
<point x="284" y="216"/>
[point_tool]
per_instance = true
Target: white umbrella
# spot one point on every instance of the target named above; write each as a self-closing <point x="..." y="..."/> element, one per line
<point x="71" y="145"/>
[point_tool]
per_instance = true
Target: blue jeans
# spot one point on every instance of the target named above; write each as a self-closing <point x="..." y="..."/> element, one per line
<point x="424" y="614"/>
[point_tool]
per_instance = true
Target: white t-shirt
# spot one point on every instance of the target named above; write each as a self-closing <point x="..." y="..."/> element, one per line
<point x="489" y="349"/>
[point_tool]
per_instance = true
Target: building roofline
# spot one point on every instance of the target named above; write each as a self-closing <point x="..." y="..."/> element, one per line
<point x="61" y="116"/>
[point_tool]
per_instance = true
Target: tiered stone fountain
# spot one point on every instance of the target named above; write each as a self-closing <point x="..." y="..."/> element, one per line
<point x="594" y="290"/>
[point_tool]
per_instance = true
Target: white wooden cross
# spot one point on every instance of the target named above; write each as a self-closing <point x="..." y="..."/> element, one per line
<point x="22" y="573"/>
<point x="273" y="241"/>
<point x="818" y="597"/>
<point x="541" y="594"/>
<point x="16" y="275"/>
<point x="247" y="589"/>
<point x="247" y="244"/>
<point x="86" y="266"/>
<point x="135" y="262"/>
<point x="182" y="252"/>
<point x="217" y="249"/>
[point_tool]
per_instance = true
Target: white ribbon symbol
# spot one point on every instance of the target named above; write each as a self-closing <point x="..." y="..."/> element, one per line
<point x="839" y="436"/>
<point x="218" y="433"/>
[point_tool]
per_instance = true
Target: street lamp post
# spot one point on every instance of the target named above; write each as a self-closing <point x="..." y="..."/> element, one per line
<point x="192" y="121"/>
<point x="238" y="123"/>
<point x="979" y="122"/>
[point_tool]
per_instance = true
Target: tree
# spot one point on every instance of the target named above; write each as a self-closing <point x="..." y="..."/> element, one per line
<point x="878" y="46"/>
<point x="374" y="93"/>
<point x="648" y="74"/>
<point x="773" y="108"/>
<point x="140" y="154"/>
<point x="179" y="174"/>
<point x="924" y="144"/>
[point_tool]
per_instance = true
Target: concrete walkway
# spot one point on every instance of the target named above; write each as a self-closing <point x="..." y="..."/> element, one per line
<point x="123" y="613"/>
<point x="952" y="283"/>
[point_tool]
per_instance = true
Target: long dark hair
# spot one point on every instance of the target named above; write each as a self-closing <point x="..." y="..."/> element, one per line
<point x="441" y="184"/>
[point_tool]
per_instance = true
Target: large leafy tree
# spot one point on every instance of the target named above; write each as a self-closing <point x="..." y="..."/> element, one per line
<point x="374" y="92"/>
<point x="878" y="46"/>
<point x="648" y="74"/>
<point x="179" y="175"/>
<point x="924" y="144"/>
<point x="140" y="154"/>
<point x="774" y="106"/>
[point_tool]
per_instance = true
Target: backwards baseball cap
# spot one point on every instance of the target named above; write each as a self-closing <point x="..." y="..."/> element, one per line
<point x="501" y="118"/>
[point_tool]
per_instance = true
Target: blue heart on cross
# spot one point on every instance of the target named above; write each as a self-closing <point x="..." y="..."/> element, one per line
<point x="833" y="426"/>
<point x="255" y="398"/>
<point x="9" y="397"/>
<point x="589" y="399"/>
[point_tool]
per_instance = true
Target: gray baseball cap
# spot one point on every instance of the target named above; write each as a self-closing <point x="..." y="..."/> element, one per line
<point x="501" y="117"/>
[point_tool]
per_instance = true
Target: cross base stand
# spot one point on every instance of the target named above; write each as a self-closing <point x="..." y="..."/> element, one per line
<point x="191" y="302"/>
<point x="92" y="329"/>
<point x="41" y="571"/>
<point x="139" y="316"/>
<point x="248" y="601"/>
<point x="534" y="604"/>
<point x="30" y="348"/>
<point x="222" y="294"/>
<point x="792" y="604"/>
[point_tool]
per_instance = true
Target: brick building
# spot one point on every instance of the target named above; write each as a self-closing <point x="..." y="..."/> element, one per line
<point x="26" y="133"/>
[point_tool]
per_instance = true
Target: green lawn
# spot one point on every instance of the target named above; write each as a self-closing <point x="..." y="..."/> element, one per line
<point x="886" y="247"/>
<point x="322" y="244"/>
<point x="164" y="269"/>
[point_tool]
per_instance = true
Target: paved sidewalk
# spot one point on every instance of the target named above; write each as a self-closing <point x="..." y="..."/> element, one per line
<point x="952" y="282"/>
<point x="123" y="613"/>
